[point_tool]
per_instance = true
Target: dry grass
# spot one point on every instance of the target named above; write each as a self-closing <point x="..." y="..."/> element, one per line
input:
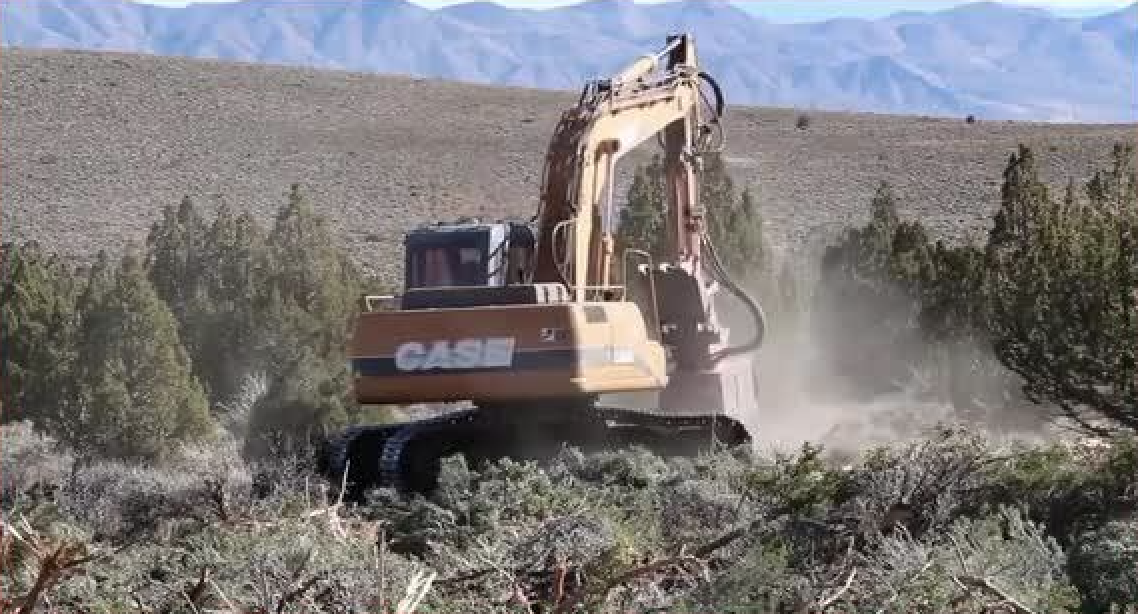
<point x="93" y="145"/>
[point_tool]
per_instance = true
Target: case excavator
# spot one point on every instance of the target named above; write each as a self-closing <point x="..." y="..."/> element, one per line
<point x="535" y="325"/>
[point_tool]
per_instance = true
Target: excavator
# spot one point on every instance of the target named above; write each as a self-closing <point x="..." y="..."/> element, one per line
<point x="534" y="325"/>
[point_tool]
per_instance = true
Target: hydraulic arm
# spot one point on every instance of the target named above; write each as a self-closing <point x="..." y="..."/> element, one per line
<point x="657" y="96"/>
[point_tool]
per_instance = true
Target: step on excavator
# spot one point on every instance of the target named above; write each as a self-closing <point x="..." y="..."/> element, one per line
<point x="533" y="325"/>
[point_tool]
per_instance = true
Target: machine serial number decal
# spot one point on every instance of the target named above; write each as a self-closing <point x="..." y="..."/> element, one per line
<point x="488" y="353"/>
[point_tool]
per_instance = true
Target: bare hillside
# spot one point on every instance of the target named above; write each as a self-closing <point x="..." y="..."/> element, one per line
<point x="94" y="144"/>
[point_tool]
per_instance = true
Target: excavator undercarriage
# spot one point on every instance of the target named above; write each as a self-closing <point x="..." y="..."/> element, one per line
<point x="538" y="326"/>
<point x="407" y="456"/>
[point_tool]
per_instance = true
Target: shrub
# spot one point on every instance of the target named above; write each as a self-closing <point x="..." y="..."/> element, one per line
<point x="33" y="463"/>
<point x="1104" y="565"/>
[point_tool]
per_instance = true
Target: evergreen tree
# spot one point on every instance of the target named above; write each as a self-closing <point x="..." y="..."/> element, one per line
<point x="1062" y="295"/>
<point x="1053" y="292"/>
<point x="210" y="275"/>
<point x="137" y="396"/>
<point x="866" y="253"/>
<point x="177" y="264"/>
<point x="308" y="304"/>
<point x="643" y="221"/>
<point x="1021" y="196"/>
<point x="1115" y="188"/>
<point x="175" y="258"/>
<point x="732" y="223"/>
<point x="866" y="306"/>
<point x="247" y="303"/>
<point x="235" y="249"/>
<point x="38" y="296"/>
<point x="733" y="220"/>
<point x="953" y="293"/>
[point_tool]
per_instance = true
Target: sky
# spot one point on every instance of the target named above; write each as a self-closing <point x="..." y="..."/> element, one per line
<point x="806" y="10"/>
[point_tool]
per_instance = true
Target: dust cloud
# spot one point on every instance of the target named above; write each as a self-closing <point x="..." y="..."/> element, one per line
<point x="801" y="400"/>
<point x="805" y="396"/>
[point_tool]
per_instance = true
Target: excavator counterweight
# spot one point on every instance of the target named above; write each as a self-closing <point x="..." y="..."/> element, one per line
<point x="535" y="324"/>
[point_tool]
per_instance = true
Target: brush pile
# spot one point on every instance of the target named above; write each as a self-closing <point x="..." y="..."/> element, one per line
<point x="951" y="523"/>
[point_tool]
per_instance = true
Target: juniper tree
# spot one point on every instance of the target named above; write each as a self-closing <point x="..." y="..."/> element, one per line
<point x="210" y="275"/>
<point x="175" y="259"/>
<point x="177" y="264"/>
<point x="308" y="302"/>
<point x="866" y="304"/>
<point x="643" y="221"/>
<point x="1063" y="290"/>
<point x="734" y="223"/>
<point x="249" y="303"/>
<point x="952" y="293"/>
<point x="235" y="249"/>
<point x="38" y="295"/>
<point x="137" y="396"/>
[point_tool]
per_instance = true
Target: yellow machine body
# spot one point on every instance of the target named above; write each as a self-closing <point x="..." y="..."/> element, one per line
<point x="534" y="323"/>
<point x="505" y="353"/>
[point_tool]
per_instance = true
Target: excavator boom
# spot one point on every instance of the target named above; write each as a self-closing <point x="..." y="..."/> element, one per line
<point x="533" y="324"/>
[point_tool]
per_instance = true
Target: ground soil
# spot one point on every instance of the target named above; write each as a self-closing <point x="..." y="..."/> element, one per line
<point x="93" y="145"/>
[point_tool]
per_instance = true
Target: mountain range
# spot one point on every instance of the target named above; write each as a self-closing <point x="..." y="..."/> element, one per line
<point x="991" y="60"/>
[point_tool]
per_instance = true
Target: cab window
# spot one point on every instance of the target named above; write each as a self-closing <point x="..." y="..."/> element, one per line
<point x="448" y="266"/>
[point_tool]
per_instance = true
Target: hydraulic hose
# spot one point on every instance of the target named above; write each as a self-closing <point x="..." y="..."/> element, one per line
<point x="760" y="320"/>
<point x="719" y="100"/>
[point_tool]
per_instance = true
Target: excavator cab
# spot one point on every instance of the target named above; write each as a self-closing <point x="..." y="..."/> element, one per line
<point x="467" y="254"/>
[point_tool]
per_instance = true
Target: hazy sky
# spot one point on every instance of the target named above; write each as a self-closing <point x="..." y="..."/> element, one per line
<point x="794" y="10"/>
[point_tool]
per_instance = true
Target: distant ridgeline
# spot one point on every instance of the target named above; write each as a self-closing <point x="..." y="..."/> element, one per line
<point x="985" y="59"/>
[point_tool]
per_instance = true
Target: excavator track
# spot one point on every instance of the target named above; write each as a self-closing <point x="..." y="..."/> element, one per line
<point x="406" y="456"/>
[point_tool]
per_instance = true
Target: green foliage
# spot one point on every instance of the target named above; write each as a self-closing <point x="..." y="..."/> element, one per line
<point x="126" y="360"/>
<point x="761" y="581"/>
<point x="1064" y="289"/>
<point x="228" y="324"/>
<point x="38" y="295"/>
<point x="733" y="220"/>
<point x="803" y="484"/>
<point x="952" y="294"/>
<point x="279" y="303"/>
<point x="310" y="297"/>
<point x="643" y="221"/>
<point x="136" y="392"/>
<point x="865" y="304"/>
<point x="1053" y="294"/>
<point x="209" y="276"/>
<point x="1071" y="489"/>
<point x="1104" y="565"/>
<point x="734" y="223"/>
<point x="176" y="262"/>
